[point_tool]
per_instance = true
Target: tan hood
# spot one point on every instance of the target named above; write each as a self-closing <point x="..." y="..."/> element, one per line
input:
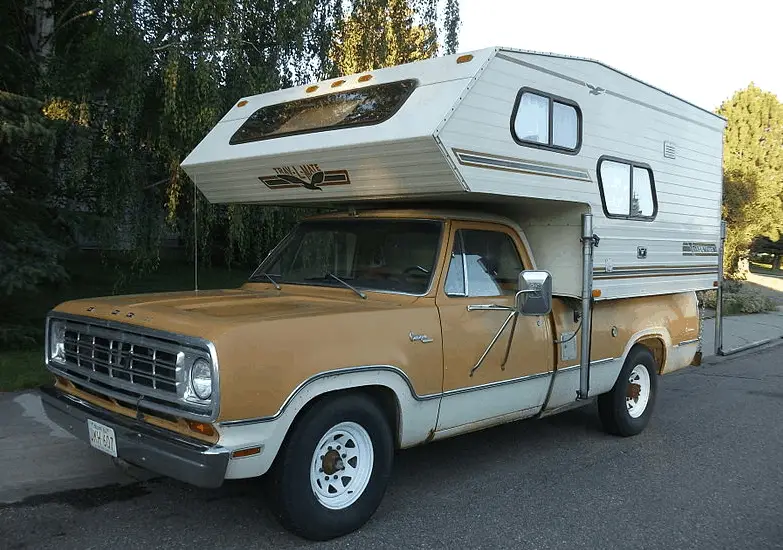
<point x="209" y="313"/>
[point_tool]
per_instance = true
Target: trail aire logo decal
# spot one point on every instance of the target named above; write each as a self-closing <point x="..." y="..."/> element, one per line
<point x="309" y="176"/>
<point x="699" y="249"/>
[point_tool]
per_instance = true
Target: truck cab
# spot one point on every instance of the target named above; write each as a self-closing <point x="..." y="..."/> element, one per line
<point x="399" y="326"/>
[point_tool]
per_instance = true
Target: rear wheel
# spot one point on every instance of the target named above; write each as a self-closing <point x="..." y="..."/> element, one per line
<point x="331" y="474"/>
<point x="627" y="408"/>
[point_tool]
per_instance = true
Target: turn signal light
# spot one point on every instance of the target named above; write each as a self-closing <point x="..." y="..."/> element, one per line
<point x="365" y="77"/>
<point x="246" y="452"/>
<point x="311" y="89"/>
<point x="596" y="293"/>
<point x="337" y="83"/>
<point x="202" y="428"/>
<point x="242" y="103"/>
<point x="464" y="58"/>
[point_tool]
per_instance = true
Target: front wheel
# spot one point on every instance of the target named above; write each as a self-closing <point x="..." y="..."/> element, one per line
<point x="627" y="408"/>
<point x="331" y="474"/>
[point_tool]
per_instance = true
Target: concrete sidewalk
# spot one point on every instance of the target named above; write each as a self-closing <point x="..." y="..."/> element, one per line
<point x="37" y="457"/>
<point x="740" y="330"/>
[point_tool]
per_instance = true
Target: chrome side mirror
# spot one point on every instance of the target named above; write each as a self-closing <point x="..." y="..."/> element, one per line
<point x="534" y="294"/>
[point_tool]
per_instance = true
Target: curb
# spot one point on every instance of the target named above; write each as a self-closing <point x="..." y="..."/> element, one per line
<point x="718" y="359"/>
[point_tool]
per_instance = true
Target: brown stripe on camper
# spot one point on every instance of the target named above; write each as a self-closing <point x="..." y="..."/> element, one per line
<point x="522" y="166"/>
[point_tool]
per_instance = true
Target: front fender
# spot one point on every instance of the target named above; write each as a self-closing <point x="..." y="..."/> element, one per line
<point x="417" y="415"/>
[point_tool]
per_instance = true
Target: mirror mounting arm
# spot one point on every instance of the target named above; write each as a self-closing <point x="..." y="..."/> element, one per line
<point x="511" y="315"/>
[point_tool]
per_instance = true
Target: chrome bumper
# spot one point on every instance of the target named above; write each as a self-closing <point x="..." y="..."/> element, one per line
<point x="146" y="446"/>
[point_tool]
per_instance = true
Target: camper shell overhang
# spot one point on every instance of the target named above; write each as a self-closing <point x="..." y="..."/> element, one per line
<point x="452" y="140"/>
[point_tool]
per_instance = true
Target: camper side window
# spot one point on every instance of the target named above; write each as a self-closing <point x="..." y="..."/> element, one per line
<point x="627" y="189"/>
<point x="546" y="121"/>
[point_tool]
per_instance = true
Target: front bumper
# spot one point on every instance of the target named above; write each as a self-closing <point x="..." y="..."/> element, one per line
<point x="146" y="446"/>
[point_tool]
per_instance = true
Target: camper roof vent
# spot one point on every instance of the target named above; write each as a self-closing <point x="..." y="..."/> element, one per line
<point x="669" y="150"/>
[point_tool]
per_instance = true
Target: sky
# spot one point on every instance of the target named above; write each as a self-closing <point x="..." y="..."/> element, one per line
<point x="700" y="50"/>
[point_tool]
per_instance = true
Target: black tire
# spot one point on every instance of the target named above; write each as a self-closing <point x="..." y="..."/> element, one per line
<point x="613" y="407"/>
<point x="294" y="500"/>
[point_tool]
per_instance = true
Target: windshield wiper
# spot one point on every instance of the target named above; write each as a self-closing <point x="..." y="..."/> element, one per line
<point x="256" y="276"/>
<point x="339" y="280"/>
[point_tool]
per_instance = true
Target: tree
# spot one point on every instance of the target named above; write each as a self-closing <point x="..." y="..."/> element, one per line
<point x="30" y="234"/>
<point x="128" y="87"/>
<point x="383" y="33"/>
<point x="752" y="171"/>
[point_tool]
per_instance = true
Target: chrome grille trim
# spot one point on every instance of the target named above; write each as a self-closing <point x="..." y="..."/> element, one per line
<point x="111" y="354"/>
<point x="144" y="368"/>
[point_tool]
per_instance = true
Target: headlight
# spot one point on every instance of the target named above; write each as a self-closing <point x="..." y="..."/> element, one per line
<point x="201" y="379"/>
<point x="57" y="341"/>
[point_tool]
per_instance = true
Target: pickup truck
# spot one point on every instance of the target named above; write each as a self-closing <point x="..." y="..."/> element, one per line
<point x="360" y="334"/>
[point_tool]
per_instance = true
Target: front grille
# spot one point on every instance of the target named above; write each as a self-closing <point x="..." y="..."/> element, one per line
<point x="145" y="365"/>
<point x="138" y="369"/>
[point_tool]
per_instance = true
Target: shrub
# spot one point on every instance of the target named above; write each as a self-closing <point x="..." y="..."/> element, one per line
<point x="738" y="298"/>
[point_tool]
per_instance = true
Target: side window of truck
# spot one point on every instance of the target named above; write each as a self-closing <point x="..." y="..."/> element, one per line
<point x="489" y="258"/>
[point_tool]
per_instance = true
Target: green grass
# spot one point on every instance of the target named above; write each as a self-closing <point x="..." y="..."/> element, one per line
<point x="24" y="369"/>
<point x="22" y="315"/>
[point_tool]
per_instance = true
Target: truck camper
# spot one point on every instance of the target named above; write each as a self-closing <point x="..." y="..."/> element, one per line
<point x="507" y="235"/>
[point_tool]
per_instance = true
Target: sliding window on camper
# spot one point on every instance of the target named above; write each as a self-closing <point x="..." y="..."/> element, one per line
<point x="627" y="189"/>
<point x="345" y="109"/>
<point x="546" y="121"/>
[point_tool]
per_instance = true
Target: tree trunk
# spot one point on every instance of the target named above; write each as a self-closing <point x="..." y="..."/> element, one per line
<point x="41" y="32"/>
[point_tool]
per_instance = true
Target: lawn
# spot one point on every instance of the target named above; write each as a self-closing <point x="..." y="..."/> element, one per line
<point x="22" y="369"/>
<point x="22" y="316"/>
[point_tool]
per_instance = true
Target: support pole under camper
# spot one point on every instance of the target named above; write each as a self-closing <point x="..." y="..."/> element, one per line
<point x="588" y="241"/>
<point x="719" y="293"/>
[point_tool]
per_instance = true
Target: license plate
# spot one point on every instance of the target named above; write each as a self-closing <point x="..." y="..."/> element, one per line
<point x="102" y="437"/>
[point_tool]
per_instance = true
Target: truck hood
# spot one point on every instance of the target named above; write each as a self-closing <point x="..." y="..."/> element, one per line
<point x="204" y="312"/>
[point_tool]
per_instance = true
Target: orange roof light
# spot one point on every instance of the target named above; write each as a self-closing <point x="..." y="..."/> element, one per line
<point x="596" y="293"/>
<point x="242" y="103"/>
<point x="311" y="89"/>
<point x="337" y="83"/>
<point x="365" y="77"/>
<point x="464" y="58"/>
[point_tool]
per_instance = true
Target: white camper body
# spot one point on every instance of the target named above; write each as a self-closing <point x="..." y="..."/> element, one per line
<point x="539" y="138"/>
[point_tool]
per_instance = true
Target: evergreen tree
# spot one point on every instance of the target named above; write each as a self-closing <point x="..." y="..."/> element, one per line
<point x="752" y="171"/>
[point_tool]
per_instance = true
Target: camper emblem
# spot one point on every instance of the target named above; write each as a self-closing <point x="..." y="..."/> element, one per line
<point x="595" y="90"/>
<point x="308" y="176"/>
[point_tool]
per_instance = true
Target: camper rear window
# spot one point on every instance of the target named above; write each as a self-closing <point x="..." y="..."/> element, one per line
<point x="347" y="109"/>
<point x="547" y="122"/>
<point x="627" y="189"/>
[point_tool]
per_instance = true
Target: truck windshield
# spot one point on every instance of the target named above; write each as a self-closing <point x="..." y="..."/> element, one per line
<point x="369" y="254"/>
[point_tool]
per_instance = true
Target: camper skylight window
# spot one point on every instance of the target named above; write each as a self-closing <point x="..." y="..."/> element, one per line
<point x="546" y="121"/>
<point x="627" y="189"/>
<point x="345" y="109"/>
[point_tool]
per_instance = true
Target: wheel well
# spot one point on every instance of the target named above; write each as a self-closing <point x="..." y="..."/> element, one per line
<point x="657" y="348"/>
<point x="382" y="395"/>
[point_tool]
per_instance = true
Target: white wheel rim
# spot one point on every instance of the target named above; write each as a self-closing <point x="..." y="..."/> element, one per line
<point x="342" y="465"/>
<point x="638" y="394"/>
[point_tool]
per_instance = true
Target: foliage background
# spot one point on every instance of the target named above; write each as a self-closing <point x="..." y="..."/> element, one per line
<point x="100" y="100"/>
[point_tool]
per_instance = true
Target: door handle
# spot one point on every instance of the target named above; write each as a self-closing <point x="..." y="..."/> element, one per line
<point x="489" y="307"/>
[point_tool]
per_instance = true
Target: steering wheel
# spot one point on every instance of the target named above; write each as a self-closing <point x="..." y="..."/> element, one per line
<point x="415" y="268"/>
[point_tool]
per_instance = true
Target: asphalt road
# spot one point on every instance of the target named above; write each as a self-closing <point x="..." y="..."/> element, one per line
<point x="707" y="473"/>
